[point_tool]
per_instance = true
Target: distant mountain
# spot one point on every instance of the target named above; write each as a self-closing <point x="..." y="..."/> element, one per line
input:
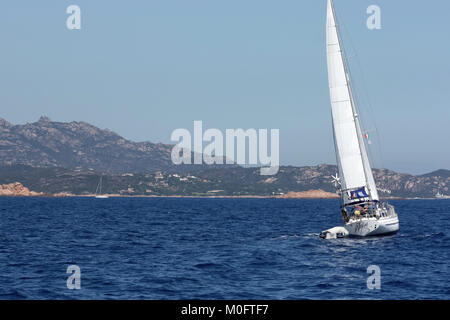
<point x="79" y="145"/>
<point x="443" y="173"/>
<point x="51" y="157"/>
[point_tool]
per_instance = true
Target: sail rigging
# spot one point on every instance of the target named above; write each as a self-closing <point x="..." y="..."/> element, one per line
<point x="357" y="182"/>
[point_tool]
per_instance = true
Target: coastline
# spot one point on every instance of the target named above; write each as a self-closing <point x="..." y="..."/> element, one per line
<point x="16" y="189"/>
<point x="192" y="197"/>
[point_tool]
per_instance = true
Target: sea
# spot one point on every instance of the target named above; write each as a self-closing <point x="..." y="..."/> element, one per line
<point x="196" y="248"/>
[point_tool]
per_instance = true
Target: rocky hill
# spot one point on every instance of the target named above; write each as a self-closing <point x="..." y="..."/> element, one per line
<point x="79" y="146"/>
<point x="53" y="157"/>
<point x="17" y="189"/>
<point x="231" y="181"/>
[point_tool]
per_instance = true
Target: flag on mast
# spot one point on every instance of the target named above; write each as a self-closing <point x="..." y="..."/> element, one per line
<point x="367" y="137"/>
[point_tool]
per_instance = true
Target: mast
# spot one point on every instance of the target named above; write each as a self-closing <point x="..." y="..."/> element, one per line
<point x="99" y="186"/>
<point x="352" y="160"/>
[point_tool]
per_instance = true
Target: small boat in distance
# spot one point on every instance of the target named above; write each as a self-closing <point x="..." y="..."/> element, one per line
<point x="439" y="195"/>
<point x="98" y="191"/>
<point x="361" y="209"/>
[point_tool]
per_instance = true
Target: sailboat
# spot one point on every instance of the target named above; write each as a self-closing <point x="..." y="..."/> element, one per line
<point x="98" y="191"/>
<point x="439" y="195"/>
<point x="362" y="211"/>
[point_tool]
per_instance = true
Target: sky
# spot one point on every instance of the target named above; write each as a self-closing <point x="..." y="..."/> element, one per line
<point x="146" y="68"/>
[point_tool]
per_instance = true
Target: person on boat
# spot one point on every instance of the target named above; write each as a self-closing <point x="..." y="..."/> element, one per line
<point x="365" y="210"/>
<point x="357" y="209"/>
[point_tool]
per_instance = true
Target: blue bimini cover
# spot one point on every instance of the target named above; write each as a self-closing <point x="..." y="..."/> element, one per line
<point x="359" y="193"/>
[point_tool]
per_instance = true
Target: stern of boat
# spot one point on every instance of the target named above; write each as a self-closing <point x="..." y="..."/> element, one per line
<point x="383" y="221"/>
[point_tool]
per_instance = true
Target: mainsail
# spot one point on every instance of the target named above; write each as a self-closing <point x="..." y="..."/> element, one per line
<point x="356" y="178"/>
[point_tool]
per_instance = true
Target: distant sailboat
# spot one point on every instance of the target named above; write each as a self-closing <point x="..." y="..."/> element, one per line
<point x="439" y="195"/>
<point x="363" y="213"/>
<point x="98" y="191"/>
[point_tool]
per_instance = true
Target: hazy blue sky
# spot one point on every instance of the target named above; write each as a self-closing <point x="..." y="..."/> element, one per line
<point x="145" y="68"/>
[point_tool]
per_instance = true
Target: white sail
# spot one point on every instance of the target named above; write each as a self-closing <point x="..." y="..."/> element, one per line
<point x="354" y="167"/>
<point x="355" y="175"/>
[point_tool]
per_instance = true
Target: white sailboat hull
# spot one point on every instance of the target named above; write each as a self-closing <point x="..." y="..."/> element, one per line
<point x="383" y="221"/>
<point x="372" y="226"/>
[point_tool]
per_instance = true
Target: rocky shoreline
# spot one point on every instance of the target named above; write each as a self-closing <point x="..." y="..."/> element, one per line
<point x="16" y="189"/>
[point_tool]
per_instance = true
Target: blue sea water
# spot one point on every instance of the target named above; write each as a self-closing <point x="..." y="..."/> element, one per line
<point x="184" y="248"/>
